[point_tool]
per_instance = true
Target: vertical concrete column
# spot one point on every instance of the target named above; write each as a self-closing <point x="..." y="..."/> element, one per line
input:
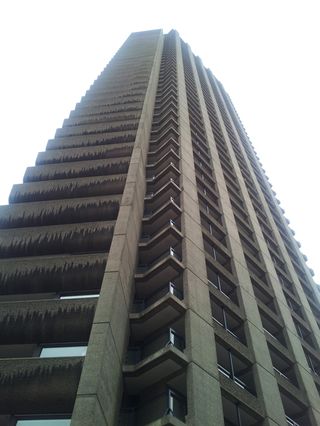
<point x="267" y="388"/>
<point x="303" y="370"/>
<point x="100" y="388"/>
<point x="203" y="387"/>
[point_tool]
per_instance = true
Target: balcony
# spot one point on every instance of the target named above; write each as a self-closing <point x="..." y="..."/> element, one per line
<point x="169" y="107"/>
<point x="172" y="288"/>
<point x="168" y="95"/>
<point x="171" y="252"/>
<point x="160" y="356"/>
<point x="221" y="283"/>
<point x="296" y="412"/>
<point x="304" y="333"/>
<point x="159" y="148"/>
<point x="205" y="177"/>
<point x="264" y="296"/>
<point x="155" y="220"/>
<point x="151" y="246"/>
<point x="39" y="385"/>
<point x="295" y="307"/>
<point x="313" y="362"/>
<point x="79" y="154"/>
<point x="78" y="169"/>
<point x="165" y="134"/>
<point x="159" y="129"/>
<point x="150" y="277"/>
<point x="51" y="274"/>
<point x="59" y="212"/>
<point x="164" y="404"/>
<point x="209" y="209"/>
<point x="283" y="367"/>
<point x="235" y="368"/>
<point x="148" y="236"/>
<point x="272" y="329"/>
<point x="27" y="322"/>
<point x="56" y="239"/>
<point x="163" y="308"/>
<point x="71" y="188"/>
<point x="154" y="200"/>
<point x="172" y="336"/>
<point x="91" y="140"/>
<point x="218" y="254"/>
<point x="237" y="414"/>
<point x="256" y="268"/>
<point x="159" y="119"/>
<point x="155" y="182"/>
<point x="214" y="229"/>
<point x="228" y="320"/>
<point x="169" y="157"/>
<point x="285" y="283"/>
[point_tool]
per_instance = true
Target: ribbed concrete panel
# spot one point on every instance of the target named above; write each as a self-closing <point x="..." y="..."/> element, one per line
<point x="101" y="380"/>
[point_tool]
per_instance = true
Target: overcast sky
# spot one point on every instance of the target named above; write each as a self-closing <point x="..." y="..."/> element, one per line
<point x="266" y="54"/>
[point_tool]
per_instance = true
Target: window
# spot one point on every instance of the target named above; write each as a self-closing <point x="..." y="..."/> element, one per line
<point x="79" y="296"/>
<point x="218" y="281"/>
<point x="314" y="364"/>
<point x="235" y="367"/>
<point x="176" y="405"/>
<point x="44" y="422"/>
<point x="272" y="328"/>
<point x="236" y="414"/>
<point x="62" y="351"/>
<point x="229" y="321"/>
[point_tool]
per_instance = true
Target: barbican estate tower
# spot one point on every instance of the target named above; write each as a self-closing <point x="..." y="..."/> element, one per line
<point x="147" y="273"/>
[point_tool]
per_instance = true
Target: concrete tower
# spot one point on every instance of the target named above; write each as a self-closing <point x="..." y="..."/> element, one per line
<point x="147" y="273"/>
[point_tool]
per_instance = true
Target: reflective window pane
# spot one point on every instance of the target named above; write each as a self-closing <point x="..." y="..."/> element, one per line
<point x="80" y="296"/>
<point x="44" y="422"/>
<point x="63" y="351"/>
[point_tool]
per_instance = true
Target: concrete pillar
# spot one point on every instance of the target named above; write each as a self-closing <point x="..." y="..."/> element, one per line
<point x="203" y="388"/>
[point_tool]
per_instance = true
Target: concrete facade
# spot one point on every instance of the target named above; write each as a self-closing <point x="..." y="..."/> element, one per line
<point x="147" y="273"/>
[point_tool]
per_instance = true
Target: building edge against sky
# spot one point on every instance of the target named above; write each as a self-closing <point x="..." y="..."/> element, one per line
<point x="148" y="275"/>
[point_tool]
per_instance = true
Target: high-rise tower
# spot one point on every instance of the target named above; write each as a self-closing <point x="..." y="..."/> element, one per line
<point x="147" y="273"/>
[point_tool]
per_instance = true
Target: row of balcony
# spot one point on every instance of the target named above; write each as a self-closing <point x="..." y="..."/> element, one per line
<point x="235" y="371"/>
<point x="154" y="377"/>
<point x="268" y="234"/>
<point x="284" y="367"/>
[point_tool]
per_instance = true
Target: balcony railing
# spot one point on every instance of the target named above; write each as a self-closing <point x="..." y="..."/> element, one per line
<point x="177" y="406"/>
<point x="224" y="287"/>
<point x="270" y="334"/>
<point x="291" y="422"/>
<point x="170" y="252"/>
<point x="168" y="288"/>
<point x="281" y="374"/>
<point x="145" y="236"/>
<point x="228" y="374"/>
<point x="169" y="338"/>
<point x="167" y="403"/>
<point x="149" y="211"/>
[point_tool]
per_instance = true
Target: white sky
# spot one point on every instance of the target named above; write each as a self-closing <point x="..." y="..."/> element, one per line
<point x="265" y="52"/>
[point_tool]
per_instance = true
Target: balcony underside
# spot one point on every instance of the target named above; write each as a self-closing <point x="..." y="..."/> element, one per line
<point x="162" y="364"/>
<point x="153" y="278"/>
<point x="60" y="273"/>
<point x="38" y="386"/>
<point x="164" y="311"/>
<point x="46" y="321"/>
